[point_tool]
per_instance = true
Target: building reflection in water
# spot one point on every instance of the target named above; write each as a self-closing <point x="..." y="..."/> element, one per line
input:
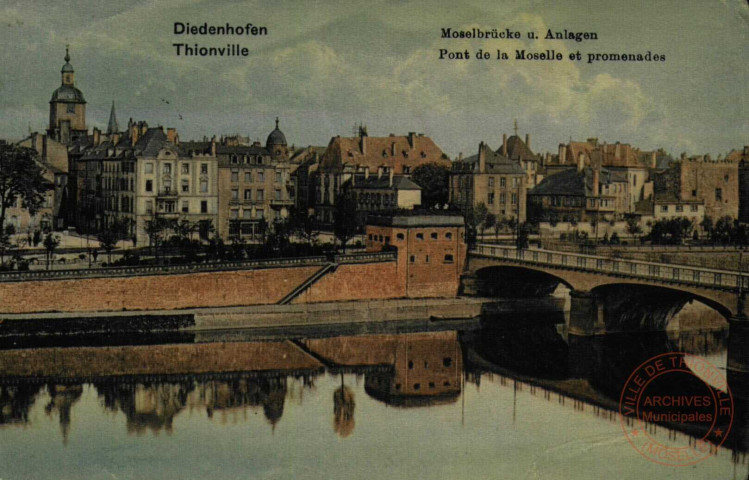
<point x="61" y="400"/>
<point x="15" y="402"/>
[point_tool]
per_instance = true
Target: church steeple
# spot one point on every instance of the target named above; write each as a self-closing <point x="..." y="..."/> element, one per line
<point x="112" y="126"/>
<point x="68" y="74"/>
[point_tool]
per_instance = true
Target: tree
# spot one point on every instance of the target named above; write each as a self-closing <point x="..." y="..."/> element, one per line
<point x="304" y="226"/>
<point x="108" y="238"/>
<point x="434" y="180"/>
<point x="20" y="177"/>
<point x="489" y="223"/>
<point x="523" y="236"/>
<point x="633" y="226"/>
<point x="497" y="227"/>
<point x="708" y="227"/>
<point x="5" y="241"/>
<point x="51" y="242"/>
<point x="155" y="229"/>
<point x="345" y="221"/>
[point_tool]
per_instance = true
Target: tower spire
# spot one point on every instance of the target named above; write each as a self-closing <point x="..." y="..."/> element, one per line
<point x="276" y="122"/>
<point x="67" y="53"/>
<point x="516" y="127"/>
<point x="112" y="126"/>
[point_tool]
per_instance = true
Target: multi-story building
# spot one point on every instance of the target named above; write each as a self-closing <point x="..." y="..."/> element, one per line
<point x="347" y="156"/>
<point x="585" y="194"/>
<point x="519" y="152"/>
<point x="714" y="183"/>
<point x="143" y="173"/>
<point x="255" y="186"/>
<point x="492" y="179"/>
<point x="375" y="193"/>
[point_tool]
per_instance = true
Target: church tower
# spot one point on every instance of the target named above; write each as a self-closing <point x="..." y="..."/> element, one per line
<point x="67" y="108"/>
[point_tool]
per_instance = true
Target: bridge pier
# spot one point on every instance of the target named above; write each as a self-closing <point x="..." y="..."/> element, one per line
<point x="738" y="345"/>
<point x="586" y="314"/>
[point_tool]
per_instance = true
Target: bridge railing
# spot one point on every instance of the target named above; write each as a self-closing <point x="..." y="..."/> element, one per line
<point x="665" y="272"/>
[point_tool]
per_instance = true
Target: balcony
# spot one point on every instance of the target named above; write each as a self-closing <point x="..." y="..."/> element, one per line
<point x="167" y="193"/>
<point x="281" y="203"/>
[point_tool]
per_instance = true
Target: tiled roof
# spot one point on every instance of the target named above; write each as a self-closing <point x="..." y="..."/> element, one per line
<point x="517" y="150"/>
<point x="400" y="182"/>
<point x="495" y="162"/>
<point x="382" y="152"/>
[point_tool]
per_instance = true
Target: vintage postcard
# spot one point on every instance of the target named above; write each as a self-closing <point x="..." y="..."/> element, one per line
<point x="374" y="239"/>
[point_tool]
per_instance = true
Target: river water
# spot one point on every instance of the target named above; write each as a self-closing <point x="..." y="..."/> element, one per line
<point x="511" y="397"/>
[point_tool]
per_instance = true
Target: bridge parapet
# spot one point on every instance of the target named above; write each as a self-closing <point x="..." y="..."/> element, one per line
<point x="726" y="280"/>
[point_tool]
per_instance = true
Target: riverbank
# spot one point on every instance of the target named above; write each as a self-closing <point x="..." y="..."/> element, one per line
<point x="199" y="320"/>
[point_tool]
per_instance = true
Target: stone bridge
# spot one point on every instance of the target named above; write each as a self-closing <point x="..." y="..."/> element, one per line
<point x="609" y="294"/>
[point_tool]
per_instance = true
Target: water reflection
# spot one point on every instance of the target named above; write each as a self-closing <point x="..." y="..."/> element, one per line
<point x="153" y="386"/>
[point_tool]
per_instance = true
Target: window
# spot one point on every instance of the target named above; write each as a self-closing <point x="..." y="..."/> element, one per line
<point x="203" y="186"/>
<point x="167" y="169"/>
<point x="260" y="196"/>
<point x="406" y="170"/>
<point x="259" y="214"/>
<point x="370" y="237"/>
<point x="149" y="207"/>
<point x="169" y="207"/>
<point x="247" y="214"/>
<point x="515" y="182"/>
<point x="185" y="206"/>
<point x="204" y="168"/>
<point x="434" y="235"/>
<point x="234" y="177"/>
<point x="149" y="185"/>
<point x="419" y="236"/>
<point x="693" y="208"/>
<point x="447" y="362"/>
<point x="680" y="208"/>
<point x="260" y="177"/>
<point x="412" y="259"/>
<point x="449" y="236"/>
<point x="399" y="236"/>
<point x="490" y="198"/>
<point x="185" y="168"/>
<point x="427" y="259"/>
<point x="247" y="177"/>
<point x="203" y="206"/>
<point x="664" y="208"/>
<point x="514" y="198"/>
<point x="502" y="198"/>
<point x="149" y="167"/>
<point x="234" y="159"/>
<point x="234" y="194"/>
<point x="491" y="182"/>
<point x="278" y="177"/>
<point x="718" y="194"/>
<point x="185" y="185"/>
<point x="71" y="107"/>
<point x="248" y="194"/>
<point x="234" y="214"/>
<point x="502" y="182"/>
<point x="694" y="193"/>
<point x="448" y="258"/>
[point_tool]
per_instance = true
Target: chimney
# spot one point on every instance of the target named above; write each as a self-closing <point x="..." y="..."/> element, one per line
<point x="97" y="136"/>
<point x="366" y="173"/>
<point x="392" y="148"/>
<point x="528" y="140"/>
<point x="580" y="162"/>
<point x="504" y="144"/>
<point x="596" y="179"/>
<point x="412" y="139"/>
<point x="213" y="146"/>
<point x="617" y="151"/>
<point x="653" y="161"/>
<point x="562" y="154"/>
<point x="363" y="144"/>
<point x="390" y="179"/>
<point x="171" y="135"/>
<point x="379" y="173"/>
<point x="482" y="158"/>
<point x="133" y="133"/>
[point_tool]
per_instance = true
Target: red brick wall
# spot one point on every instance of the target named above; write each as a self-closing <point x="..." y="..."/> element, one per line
<point x="214" y="289"/>
<point x="368" y="281"/>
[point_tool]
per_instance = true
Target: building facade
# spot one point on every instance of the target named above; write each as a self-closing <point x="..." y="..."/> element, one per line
<point x="490" y="178"/>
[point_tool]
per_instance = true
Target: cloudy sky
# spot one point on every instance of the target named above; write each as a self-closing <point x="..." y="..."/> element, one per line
<point x="326" y="66"/>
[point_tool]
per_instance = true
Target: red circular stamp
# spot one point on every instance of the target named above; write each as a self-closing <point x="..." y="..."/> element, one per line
<point x="683" y="393"/>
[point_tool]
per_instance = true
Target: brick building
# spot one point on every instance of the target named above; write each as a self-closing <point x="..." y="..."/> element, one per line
<point x="431" y="249"/>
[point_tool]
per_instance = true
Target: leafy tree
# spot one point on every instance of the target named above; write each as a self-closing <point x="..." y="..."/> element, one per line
<point x="633" y="225"/>
<point x="51" y="242"/>
<point x="345" y="221"/>
<point x="522" y="240"/>
<point x="489" y="222"/>
<point x="671" y="231"/>
<point x="156" y="229"/>
<point x="497" y="227"/>
<point x="20" y="177"/>
<point x="109" y="237"/>
<point x="5" y="241"/>
<point x="434" y="180"/>
<point x="304" y="226"/>
<point x="708" y="227"/>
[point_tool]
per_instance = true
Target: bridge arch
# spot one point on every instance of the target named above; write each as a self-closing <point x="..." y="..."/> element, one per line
<point x="517" y="281"/>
